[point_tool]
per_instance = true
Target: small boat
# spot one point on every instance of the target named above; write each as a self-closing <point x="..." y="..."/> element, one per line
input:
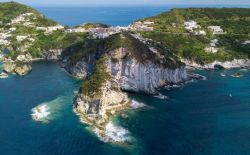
<point x="222" y="74"/>
<point x="230" y="95"/>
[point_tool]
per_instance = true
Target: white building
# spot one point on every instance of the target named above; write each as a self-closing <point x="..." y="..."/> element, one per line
<point x="212" y="46"/>
<point x="21" y="38"/>
<point x="148" y="23"/>
<point x="4" y="35"/>
<point x="191" y="25"/>
<point x="12" y="29"/>
<point x="76" y="30"/>
<point x="54" y="28"/>
<point x="200" y="32"/>
<point x="4" y="42"/>
<point x="21" y="18"/>
<point x="28" y="24"/>
<point x="246" y="42"/>
<point x="142" y="26"/>
<point x="106" y="32"/>
<point x="216" y="29"/>
<point x="41" y="28"/>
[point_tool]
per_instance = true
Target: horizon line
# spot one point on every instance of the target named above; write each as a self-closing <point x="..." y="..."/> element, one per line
<point x="141" y="5"/>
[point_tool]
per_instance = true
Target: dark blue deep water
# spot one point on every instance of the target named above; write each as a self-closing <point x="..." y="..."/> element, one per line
<point x="118" y="15"/>
<point x="199" y="118"/>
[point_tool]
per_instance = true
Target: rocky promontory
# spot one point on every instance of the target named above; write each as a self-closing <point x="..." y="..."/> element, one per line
<point x="19" y="68"/>
<point x="128" y="66"/>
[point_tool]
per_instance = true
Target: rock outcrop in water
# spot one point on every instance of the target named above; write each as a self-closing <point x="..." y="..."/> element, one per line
<point x="23" y="69"/>
<point x="19" y="68"/>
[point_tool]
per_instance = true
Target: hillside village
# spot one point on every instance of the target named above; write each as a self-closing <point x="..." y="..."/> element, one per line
<point x="26" y="36"/>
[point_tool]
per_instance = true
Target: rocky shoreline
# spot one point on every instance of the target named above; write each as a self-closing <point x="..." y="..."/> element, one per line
<point x="18" y="68"/>
<point x="236" y="63"/>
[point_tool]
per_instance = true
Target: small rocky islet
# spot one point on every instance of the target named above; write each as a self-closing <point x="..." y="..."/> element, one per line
<point x="143" y="57"/>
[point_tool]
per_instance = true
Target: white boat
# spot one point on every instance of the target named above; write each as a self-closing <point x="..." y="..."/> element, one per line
<point x="222" y="74"/>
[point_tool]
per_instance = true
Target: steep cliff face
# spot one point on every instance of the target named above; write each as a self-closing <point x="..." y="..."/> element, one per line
<point x="52" y="54"/>
<point x="82" y="68"/>
<point x="146" y="77"/>
<point x="119" y="70"/>
<point x="98" y="109"/>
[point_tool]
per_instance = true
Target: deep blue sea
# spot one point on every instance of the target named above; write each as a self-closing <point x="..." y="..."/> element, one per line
<point x="118" y="15"/>
<point x="207" y="117"/>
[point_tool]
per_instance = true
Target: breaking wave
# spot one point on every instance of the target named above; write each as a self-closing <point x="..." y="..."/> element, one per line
<point x="113" y="133"/>
<point x="48" y="111"/>
<point x="136" y="105"/>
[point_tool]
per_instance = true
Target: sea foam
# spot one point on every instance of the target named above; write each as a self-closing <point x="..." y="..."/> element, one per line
<point x="136" y="105"/>
<point x="160" y="96"/>
<point x="40" y="113"/>
<point x="113" y="133"/>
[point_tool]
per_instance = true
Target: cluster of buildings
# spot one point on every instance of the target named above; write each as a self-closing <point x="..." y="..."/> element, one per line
<point x="21" y="38"/>
<point x="5" y="35"/>
<point x="100" y="33"/>
<point x="78" y="29"/>
<point x="216" y="29"/>
<point x="142" y="26"/>
<point x="212" y="46"/>
<point x="192" y="27"/>
<point x="21" y="18"/>
<point x="50" y="29"/>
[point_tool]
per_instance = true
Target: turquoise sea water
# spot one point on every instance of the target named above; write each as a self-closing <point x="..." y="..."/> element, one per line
<point x="199" y="118"/>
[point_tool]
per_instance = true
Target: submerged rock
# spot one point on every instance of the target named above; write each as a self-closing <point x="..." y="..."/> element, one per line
<point x="40" y="113"/>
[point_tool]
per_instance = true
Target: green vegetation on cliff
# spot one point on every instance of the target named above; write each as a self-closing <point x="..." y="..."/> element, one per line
<point x="10" y="10"/>
<point x="232" y="20"/>
<point x="94" y="25"/>
<point x="141" y="51"/>
<point x="80" y="50"/>
<point x="193" y="47"/>
<point x="31" y="32"/>
<point x="92" y="86"/>
<point x="169" y="30"/>
<point x="56" y="40"/>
